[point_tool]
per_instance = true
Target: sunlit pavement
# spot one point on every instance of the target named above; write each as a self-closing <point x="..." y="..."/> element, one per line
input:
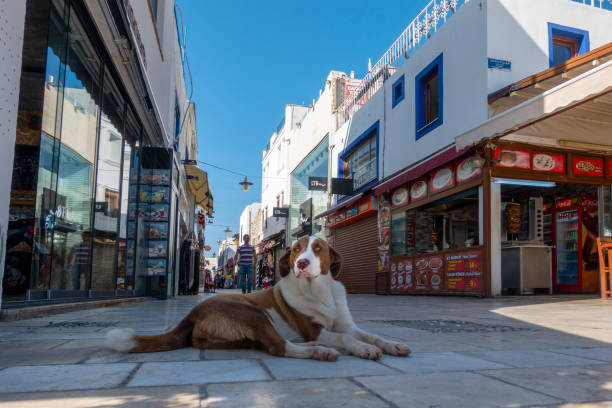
<point x="519" y="351"/>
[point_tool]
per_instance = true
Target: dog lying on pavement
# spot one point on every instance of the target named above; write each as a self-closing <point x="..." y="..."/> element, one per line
<point x="305" y="315"/>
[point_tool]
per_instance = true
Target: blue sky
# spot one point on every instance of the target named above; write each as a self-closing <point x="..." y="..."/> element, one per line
<point x="249" y="59"/>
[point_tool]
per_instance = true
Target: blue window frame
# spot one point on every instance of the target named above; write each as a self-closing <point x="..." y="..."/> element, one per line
<point x="398" y="91"/>
<point x="429" y="97"/>
<point x="565" y="43"/>
<point x="359" y="160"/>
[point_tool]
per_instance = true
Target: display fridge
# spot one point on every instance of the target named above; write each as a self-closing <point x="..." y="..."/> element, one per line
<point x="576" y="267"/>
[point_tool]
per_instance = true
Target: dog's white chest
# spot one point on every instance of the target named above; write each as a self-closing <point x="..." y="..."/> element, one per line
<point x="282" y="328"/>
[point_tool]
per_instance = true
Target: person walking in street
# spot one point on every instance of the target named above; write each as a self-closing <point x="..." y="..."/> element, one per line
<point x="245" y="257"/>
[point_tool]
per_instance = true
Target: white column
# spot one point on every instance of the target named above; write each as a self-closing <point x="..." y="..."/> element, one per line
<point x="11" y="32"/>
<point x="495" y="225"/>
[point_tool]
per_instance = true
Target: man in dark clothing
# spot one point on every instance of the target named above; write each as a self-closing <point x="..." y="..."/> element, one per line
<point x="245" y="257"/>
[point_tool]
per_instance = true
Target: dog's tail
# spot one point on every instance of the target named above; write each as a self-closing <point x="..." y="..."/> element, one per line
<point x="125" y="341"/>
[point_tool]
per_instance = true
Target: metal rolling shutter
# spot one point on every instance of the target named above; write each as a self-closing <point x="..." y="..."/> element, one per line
<point x="357" y="243"/>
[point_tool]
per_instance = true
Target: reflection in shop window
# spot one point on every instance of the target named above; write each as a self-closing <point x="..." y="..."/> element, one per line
<point x="448" y="223"/>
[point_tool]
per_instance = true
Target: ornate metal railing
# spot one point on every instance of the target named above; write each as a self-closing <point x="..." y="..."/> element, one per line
<point x="426" y="23"/>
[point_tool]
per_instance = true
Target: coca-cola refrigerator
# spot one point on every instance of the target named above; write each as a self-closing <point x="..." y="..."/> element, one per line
<point x="574" y="233"/>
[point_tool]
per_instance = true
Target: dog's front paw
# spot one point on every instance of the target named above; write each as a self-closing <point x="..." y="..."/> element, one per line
<point x="369" y="353"/>
<point x="396" y="349"/>
<point x="324" y="353"/>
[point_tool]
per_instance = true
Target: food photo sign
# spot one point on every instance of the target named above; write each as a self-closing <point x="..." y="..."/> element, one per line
<point x="554" y="163"/>
<point x="584" y="166"/>
<point x="442" y="179"/>
<point x="466" y="170"/>
<point x="512" y="158"/>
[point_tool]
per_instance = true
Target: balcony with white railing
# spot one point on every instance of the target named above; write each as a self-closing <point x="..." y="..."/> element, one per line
<point x="602" y="4"/>
<point x="425" y="24"/>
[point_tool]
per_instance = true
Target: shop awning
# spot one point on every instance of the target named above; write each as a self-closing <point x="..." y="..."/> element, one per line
<point x="340" y="206"/>
<point x="578" y="111"/>
<point x="419" y="169"/>
<point x="197" y="182"/>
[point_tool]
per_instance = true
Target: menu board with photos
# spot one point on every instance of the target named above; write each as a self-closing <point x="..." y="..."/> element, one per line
<point x="148" y="212"/>
<point x="451" y="271"/>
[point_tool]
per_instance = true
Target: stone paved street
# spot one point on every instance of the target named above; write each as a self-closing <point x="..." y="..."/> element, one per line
<point x="506" y="352"/>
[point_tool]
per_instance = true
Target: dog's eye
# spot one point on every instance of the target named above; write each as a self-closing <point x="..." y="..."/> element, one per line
<point x="317" y="249"/>
<point x="296" y="249"/>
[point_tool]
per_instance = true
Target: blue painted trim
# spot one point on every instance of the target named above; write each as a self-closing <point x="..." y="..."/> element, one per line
<point x="398" y="85"/>
<point x="582" y="36"/>
<point x="351" y="148"/>
<point x="421" y="129"/>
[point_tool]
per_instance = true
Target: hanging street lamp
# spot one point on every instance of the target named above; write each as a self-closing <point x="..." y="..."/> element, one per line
<point x="246" y="184"/>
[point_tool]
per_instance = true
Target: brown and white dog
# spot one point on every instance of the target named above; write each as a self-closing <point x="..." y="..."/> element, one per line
<point x="305" y="315"/>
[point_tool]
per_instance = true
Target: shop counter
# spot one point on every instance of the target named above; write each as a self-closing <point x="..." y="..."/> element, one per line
<point x="526" y="267"/>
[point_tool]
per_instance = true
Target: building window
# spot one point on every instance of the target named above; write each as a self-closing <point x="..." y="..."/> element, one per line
<point x="398" y="91"/>
<point x="282" y="200"/>
<point x="565" y="43"/>
<point x="153" y="5"/>
<point x="266" y="219"/>
<point x="429" y="98"/>
<point x="359" y="160"/>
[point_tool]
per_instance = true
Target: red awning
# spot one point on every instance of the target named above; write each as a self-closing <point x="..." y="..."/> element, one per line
<point x="340" y="206"/>
<point x="417" y="171"/>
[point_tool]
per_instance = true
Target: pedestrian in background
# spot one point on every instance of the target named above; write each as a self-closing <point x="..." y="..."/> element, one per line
<point x="245" y="257"/>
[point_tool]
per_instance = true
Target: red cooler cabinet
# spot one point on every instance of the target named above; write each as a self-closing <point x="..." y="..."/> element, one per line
<point x="574" y="234"/>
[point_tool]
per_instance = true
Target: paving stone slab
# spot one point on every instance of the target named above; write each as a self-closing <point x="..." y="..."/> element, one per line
<point x="439" y="362"/>
<point x="219" y="354"/>
<point x="573" y="384"/>
<point x="56" y="336"/>
<point x="453" y="390"/>
<point x="24" y="354"/>
<point x="184" y="354"/>
<point x="63" y="377"/>
<point x="596" y="353"/>
<point x="149" y="397"/>
<point x="328" y="393"/>
<point x="532" y="358"/>
<point x="197" y="372"/>
<point x="345" y="366"/>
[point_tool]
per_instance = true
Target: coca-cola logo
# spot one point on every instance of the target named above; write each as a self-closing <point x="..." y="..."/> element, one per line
<point x="564" y="204"/>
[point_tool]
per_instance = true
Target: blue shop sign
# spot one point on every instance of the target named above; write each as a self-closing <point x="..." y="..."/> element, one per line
<point x="500" y="64"/>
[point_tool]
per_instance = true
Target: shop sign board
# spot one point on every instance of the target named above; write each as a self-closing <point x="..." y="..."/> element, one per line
<point x="554" y="163"/>
<point x="317" y="183"/>
<point x="418" y="190"/>
<point x="584" y="166"/>
<point x="399" y="197"/>
<point x="609" y="168"/>
<point x="280" y="212"/>
<point x="466" y="171"/>
<point x="464" y="271"/>
<point x="512" y="158"/>
<point x="356" y="211"/>
<point x="457" y="271"/>
<point x="442" y="179"/>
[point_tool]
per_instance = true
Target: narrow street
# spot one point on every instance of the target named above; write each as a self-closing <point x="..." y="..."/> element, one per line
<point x="513" y="351"/>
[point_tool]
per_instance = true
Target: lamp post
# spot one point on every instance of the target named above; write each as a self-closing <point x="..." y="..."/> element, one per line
<point x="246" y="184"/>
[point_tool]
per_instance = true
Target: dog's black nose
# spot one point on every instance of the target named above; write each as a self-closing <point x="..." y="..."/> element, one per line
<point x="303" y="263"/>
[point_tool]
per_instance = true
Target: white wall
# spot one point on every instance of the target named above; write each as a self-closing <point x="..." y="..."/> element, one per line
<point x="11" y="33"/>
<point x="275" y="170"/>
<point x="246" y="219"/>
<point x="461" y="40"/>
<point x="517" y="31"/>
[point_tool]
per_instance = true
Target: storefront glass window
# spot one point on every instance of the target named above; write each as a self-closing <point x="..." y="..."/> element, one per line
<point x="306" y="204"/>
<point x="72" y="235"/>
<point x="448" y="223"/>
<point x="108" y="188"/>
<point x="606" y="211"/>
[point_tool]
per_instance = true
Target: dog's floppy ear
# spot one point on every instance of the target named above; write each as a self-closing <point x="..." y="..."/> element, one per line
<point x="284" y="265"/>
<point x="335" y="262"/>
